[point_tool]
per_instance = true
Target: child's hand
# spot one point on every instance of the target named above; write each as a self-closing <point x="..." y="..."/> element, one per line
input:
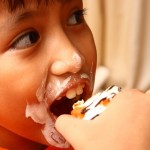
<point x="125" y="124"/>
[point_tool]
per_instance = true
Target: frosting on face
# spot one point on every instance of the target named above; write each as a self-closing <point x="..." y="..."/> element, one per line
<point x="40" y="112"/>
<point x="77" y="61"/>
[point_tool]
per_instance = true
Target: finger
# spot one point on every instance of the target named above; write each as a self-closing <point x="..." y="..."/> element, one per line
<point x="71" y="128"/>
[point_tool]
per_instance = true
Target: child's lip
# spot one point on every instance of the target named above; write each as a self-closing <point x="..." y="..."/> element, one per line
<point x="72" y="85"/>
<point x="58" y="88"/>
<point x="65" y="103"/>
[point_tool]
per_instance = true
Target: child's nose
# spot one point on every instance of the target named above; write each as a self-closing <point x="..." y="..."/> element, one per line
<point x="68" y="59"/>
<point x="71" y="62"/>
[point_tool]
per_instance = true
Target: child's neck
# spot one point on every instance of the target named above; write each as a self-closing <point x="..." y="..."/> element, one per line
<point x="10" y="140"/>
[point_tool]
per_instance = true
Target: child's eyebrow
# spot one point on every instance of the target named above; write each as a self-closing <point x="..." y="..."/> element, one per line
<point x="25" y="15"/>
<point x="18" y="16"/>
<point x="16" y="19"/>
<point x="8" y="23"/>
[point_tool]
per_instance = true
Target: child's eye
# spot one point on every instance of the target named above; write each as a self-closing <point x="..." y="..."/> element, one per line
<point x="77" y="17"/>
<point x="26" y="40"/>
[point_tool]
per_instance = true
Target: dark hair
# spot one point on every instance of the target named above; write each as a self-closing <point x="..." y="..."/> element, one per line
<point x="12" y="5"/>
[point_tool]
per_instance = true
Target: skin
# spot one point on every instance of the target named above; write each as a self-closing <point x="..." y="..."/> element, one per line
<point x="125" y="124"/>
<point x="24" y="66"/>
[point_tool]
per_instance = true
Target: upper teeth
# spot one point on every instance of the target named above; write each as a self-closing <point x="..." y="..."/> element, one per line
<point x="75" y="91"/>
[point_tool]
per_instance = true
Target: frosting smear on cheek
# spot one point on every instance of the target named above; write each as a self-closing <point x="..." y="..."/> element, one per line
<point x="39" y="114"/>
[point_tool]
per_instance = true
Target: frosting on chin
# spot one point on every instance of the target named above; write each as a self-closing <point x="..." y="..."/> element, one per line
<point x="39" y="114"/>
<point x="95" y="105"/>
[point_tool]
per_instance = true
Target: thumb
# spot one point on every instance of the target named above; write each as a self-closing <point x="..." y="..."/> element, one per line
<point x="71" y="128"/>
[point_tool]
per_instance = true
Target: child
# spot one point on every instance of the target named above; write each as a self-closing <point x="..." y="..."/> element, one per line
<point x="47" y="61"/>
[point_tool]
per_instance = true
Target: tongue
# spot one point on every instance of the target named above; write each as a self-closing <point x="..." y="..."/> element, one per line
<point x="63" y="106"/>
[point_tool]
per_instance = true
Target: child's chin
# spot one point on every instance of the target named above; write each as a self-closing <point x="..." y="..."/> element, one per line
<point x="53" y="137"/>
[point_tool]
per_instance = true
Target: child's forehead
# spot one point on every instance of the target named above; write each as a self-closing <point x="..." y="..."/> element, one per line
<point x="12" y="5"/>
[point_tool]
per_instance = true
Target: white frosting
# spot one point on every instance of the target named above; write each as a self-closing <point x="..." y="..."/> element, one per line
<point x="77" y="62"/>
<point x="37" y="112"/>
<point x="40" y="113"/>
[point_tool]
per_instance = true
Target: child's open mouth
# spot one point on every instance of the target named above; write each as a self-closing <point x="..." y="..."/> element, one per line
<point x="56" y="98"/>
<point x="63" y="104"/>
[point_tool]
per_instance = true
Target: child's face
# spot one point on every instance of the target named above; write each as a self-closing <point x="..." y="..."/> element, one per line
<point x="45" y="51"/>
